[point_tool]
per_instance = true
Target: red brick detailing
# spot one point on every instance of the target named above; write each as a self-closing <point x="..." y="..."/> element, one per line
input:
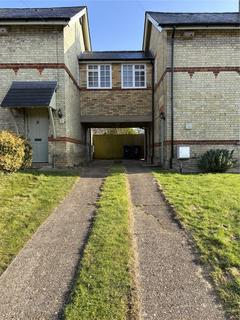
<point x="15" y="70"/>
<point x="161" y="79"/>
<point x="40" y="67"/>
<point x="40" y="70"/>
<point x="192" y="70"/>
<point x="65" y="139"/>
<point x="32" y="65"/>
<point x="191" y="73"/>
<point x="71" y="76"/>
<point x="216" y="73"/>
<point x="203" y="142"/>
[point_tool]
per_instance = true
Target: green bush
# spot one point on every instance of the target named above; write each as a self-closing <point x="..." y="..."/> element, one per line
<point x="219" y="160"/>
<point x="15" y="152"/>
<point x="27" y="159"/>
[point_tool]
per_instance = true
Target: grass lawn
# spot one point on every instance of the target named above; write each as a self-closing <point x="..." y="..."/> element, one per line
<point x="209" y="206"/>
<point x="26" y="199"/>
<point x="103" y="287"/>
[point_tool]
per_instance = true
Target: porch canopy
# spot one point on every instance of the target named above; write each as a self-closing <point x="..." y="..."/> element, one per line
<point x="28" y="94"/>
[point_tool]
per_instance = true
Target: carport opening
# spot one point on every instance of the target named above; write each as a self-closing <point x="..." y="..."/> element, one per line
<point x="118" y="143"/>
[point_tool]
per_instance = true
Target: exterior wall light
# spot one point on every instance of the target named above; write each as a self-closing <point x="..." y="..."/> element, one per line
<point x="162" y="116"/>
<point x="60" y="115"/>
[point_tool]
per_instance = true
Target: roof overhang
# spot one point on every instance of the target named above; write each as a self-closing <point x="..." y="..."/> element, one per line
<point x="33" y="22"/>
<point x="30" y="94"/>
<point x="43" y="21"/>
<point x="85" y="26"/>
<point x="149" y="22"/>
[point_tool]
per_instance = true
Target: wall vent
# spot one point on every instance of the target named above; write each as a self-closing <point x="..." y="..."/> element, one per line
<point x="188" y="34"/>
<point x="3" y="31"/>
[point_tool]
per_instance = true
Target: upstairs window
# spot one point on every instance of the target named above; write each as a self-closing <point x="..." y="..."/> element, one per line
<point x="99" y="76"/>
<point x="133" y="76"/>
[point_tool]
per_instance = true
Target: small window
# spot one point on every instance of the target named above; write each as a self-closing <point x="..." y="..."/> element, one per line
<point x="133" y="76"/>
<point x="99" y="76"/>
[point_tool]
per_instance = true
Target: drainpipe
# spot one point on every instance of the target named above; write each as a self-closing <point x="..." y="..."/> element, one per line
<point x="54" y="135"/>
<point x="172" y="97"/>
<point x="153" y="83"/>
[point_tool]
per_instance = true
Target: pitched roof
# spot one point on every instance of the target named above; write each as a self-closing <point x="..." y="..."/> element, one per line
<point x="57" y="13"/>
<point x="216" y="19"/>
<point x="29" y="94"/>
<point x="115" y="55"/>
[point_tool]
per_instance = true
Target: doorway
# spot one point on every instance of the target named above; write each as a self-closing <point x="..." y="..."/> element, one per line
<point x="37" y="133"/>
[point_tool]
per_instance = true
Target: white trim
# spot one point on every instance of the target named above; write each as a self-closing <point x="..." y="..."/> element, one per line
<point x="78" y="15"/>
<point x="149" y="19"/>
<point x="52" y="121"/>
<point x="99" y="75"/>
<point x="154" y="22"/>
<point x="133" y="73"/>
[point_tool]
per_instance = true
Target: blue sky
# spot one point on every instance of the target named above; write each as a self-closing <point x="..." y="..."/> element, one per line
<point x="118" y="25"/>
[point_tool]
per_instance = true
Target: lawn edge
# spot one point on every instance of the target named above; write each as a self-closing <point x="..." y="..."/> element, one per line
<point x="45" y="220"/>
<point x="206" y="269"/>
<point x="135" y="301"/>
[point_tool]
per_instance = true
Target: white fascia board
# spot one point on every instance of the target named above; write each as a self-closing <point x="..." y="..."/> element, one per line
<point x="52" y="103"/>
<point x="154" y="22"/>
<point x="85" y="27"/>
<point x="148" y="20"/>
<point x="77" y="16"/>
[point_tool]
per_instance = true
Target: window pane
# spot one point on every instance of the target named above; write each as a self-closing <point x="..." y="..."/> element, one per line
<point x="139" y="76"/>
<point x="105" y="76"/>
<point x="92" y="76"/>
<point x="127" y="76"/>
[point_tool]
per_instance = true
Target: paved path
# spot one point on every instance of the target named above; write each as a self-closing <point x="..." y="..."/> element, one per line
<point x="37" y="283"/>
<point x="172" y="286"/>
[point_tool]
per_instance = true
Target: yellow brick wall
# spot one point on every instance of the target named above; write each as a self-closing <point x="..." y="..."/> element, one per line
<point x="115" y="101"/>
<point x="205" y="96"/>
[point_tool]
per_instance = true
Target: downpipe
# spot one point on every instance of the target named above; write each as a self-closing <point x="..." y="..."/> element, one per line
<point x="172" y="96"/>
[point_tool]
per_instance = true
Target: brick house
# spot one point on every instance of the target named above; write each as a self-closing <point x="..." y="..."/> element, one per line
<point x="197" y="83"/>
<point x="116" y="91"/>
<point x="182" y="88"/>
<point x="39" y="78"/>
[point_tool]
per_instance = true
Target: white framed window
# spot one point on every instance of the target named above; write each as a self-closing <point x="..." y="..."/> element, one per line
<point x="99" y="76"/>
<point x="133" y="76"/>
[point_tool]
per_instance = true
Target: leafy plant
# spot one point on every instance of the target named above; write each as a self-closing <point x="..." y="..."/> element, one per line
<point x="27" y="159"/>
<point x="15" y="152"/>
<point x="11" y="152"/>
<point x="218" y="160"/>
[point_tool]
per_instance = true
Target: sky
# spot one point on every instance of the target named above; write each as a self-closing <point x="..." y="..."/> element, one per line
<point x="118" y="24"/>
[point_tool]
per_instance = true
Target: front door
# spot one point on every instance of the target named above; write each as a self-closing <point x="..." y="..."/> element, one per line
<point x="37" y="133"/>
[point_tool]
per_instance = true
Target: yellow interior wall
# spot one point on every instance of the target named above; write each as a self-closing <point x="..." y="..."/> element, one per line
<point x="111" y="146"/>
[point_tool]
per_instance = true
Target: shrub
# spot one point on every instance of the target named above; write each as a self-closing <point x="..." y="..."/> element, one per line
<point x="15" y="152"/>
<point x="27" y="158"/>
<point x="219" y="160"/>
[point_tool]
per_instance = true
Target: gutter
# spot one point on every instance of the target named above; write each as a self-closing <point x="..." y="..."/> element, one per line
<point x="172" y="96"/>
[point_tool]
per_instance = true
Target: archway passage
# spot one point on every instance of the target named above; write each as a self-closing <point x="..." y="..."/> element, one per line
<point x="117" y="142"/>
